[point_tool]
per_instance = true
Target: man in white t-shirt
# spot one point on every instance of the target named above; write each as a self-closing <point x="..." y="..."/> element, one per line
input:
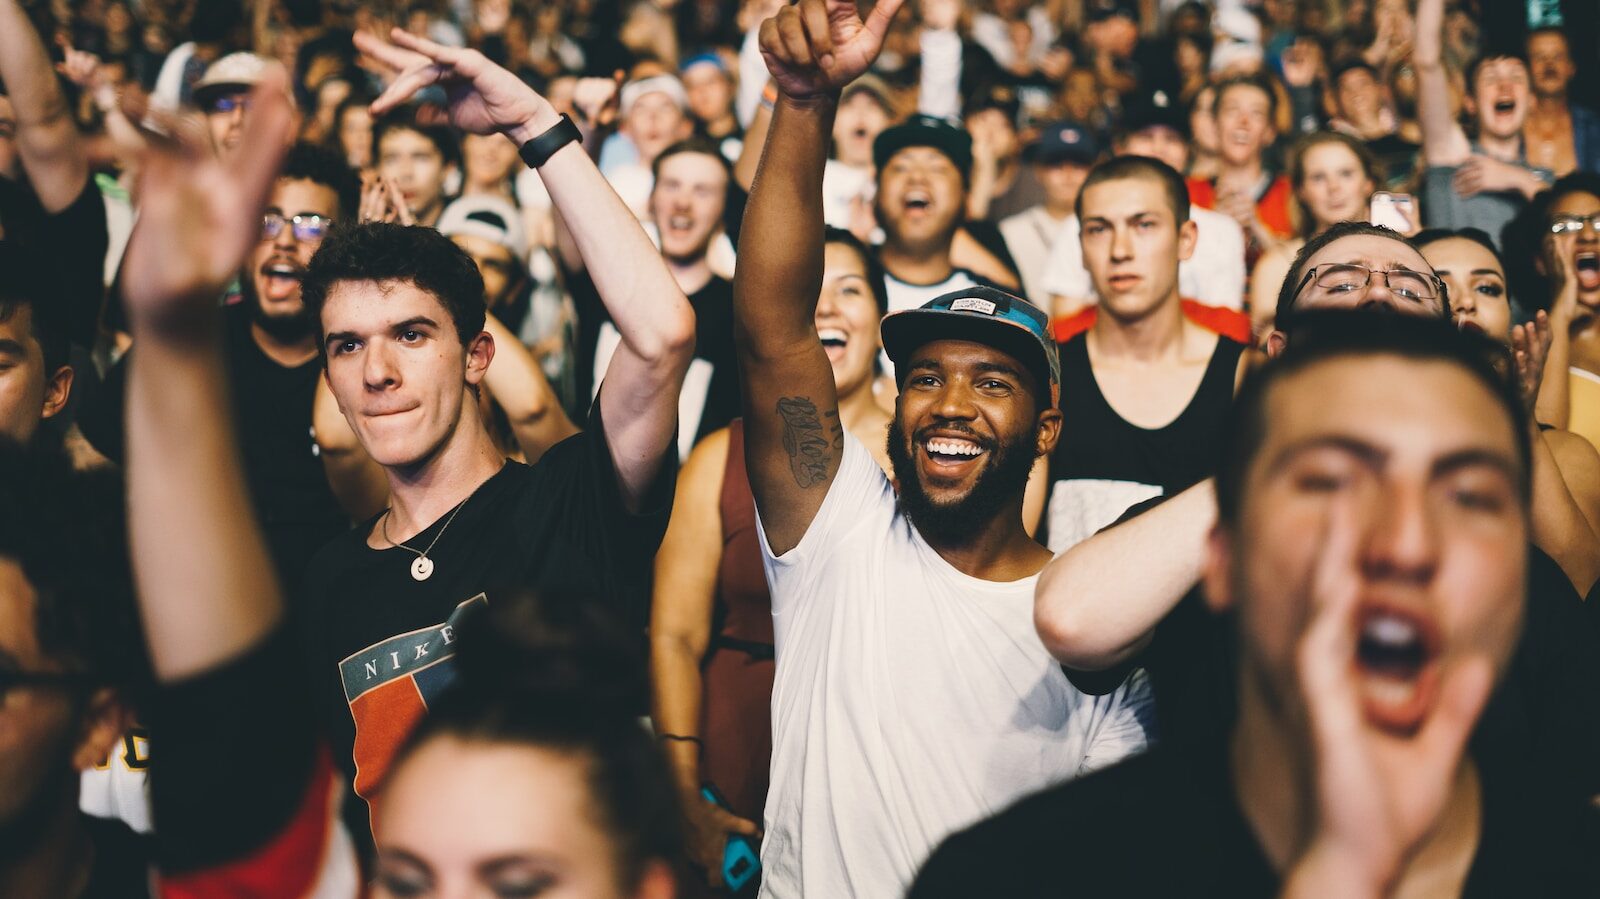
<point x="1153" y="126"/>
<point x="1061" y="158"/>
<point x="912" y="694"/>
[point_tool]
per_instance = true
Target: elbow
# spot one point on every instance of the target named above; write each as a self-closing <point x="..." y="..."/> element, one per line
<point x="674" y="337"/>
<point x="1068" y="627"/>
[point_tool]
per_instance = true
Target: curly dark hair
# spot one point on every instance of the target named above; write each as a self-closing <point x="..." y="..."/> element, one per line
<point x="380" y="251"/>
<point x="67" y="532"/>
<point x="323" y="166"/>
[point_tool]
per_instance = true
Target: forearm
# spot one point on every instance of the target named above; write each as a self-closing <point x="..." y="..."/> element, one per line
<point x="1433" y="88"/>
<point x="1097" y="603"/>
<point x="358" y="483"/>
<point x="676" y="686"/>
<point x="1322" y="872"/>
<point x="47" y="139"/>
<point x="1559" y="525"/>
<point x="518" y="384"/>
<point x="1554" y="406"/>
<point x="755" y="138"/>
<point x="205" y="586"/>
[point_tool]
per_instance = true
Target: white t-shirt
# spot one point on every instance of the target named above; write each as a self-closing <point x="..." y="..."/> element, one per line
<point x="910" y="700"/>
<point x="841" y="184"/>
<point x="1214" y="275"/>
<point x="1029" y="235"/>
<point x="939" y="93"/>
<point x="904" y="295"/>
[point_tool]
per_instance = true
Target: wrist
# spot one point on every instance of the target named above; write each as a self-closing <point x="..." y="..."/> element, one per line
<point x="1326" y="870"/>
<point x="812" y="104"/>
<point x="542" y="120"/>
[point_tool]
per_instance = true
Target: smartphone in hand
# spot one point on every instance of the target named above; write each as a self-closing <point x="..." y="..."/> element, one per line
<point x="1397" y="211"/>
<point x="741" y="860"/>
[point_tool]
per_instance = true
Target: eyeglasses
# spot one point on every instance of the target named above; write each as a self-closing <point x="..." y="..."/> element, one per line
<point x="1342" y="279"/>
<point x="228" y="103"/>
<point x="1566" y="224"/>
<point x="305" y="227"/>
<point x="11" y="680"/>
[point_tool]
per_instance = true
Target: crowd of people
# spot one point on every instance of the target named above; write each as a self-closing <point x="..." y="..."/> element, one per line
<point x="662" y="448"/>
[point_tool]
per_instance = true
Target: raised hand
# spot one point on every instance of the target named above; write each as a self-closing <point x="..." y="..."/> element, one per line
<point x="816" y="47"/>
<point x="199" y="215"/>
<point x="1530" y="347"/>
<point x="597" y="101"/>
<point x="1378" y="795"/>
<point x="482" y="98"/>
<point x="383" y="201"/>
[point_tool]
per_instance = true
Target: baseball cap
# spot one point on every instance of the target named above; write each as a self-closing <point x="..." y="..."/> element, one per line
<point x="995" y="96"/>
<point x="1236" y="23"/>
<point x="655" y="84"/>
<point x="874" y="87"/>
<point x="488" y="217"/>
<point x="982" y="315"/>
<point x="709" y="57"/>
<point x="1153" y="110"/>
<point x="234" y="72"/>
<point x="944" y="135"/>
<point x="1102" y="10"/>
<point x="1060" y="142"/>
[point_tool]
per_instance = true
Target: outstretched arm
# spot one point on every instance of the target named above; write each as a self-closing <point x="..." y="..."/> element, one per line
<point x="1443" y="142"/>
<point x="52" y="151"/>
<point x="639" y="401"/>
<point x="794" y="439"/>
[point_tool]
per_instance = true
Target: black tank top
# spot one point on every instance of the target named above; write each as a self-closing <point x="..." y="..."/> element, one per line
<point x="1098" y="446"/>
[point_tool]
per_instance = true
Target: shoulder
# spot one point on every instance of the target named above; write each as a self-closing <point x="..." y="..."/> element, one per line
<point x="1574" y="454"/>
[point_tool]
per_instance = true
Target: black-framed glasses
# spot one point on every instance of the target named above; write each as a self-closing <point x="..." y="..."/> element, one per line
<point x="305" y="227"/>
<point x="1341" y="279"/>
<point x="11" y="679"/>
<point x="1567" y="224"/>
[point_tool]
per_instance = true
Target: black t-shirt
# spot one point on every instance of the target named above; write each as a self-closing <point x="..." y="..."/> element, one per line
<point x="121" y="867"/>
<point x="1398" y="158"/>
<point x="380" y="644"/>
<point x="712" y="383"/>
<point x="1167" y="824"/>
<point x="272" y="414"/>
<point x="71" y="246"/>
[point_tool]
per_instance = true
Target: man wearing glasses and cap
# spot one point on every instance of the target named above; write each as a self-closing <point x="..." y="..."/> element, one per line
<point x="223" y="95"/>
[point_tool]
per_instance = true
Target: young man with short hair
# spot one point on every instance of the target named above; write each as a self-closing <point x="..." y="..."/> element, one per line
<point x="1364" y="112"/>
<point x="417" y="159"/>
<point x="1246" y="189"/>
<point x="35" y="373"/>
<point x="1213" y="276"/>
<point x="911" y="696"/>
<point x="1482" y="182"/>
<point x="1147" y="389"/>
<point x="1365" y="583"/>
<point x="401" y="316"/>
<point x="1060" y="159"/>
<point x="1560" y="135"/>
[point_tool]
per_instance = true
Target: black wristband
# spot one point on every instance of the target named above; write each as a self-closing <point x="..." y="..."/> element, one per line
<point x="538" y="151"/>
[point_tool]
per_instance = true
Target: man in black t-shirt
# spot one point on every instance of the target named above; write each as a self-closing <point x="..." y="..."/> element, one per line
<point x="401" y="314"/>
<point x="35" y="375"/>
<point x="1370" y="556"/>
<point x="270" y="344"/>
<point x="688" y="201"/>
<point x="71" y="657"/>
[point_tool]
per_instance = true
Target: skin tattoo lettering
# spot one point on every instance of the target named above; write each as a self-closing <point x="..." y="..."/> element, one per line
<point x="804" y="440"/>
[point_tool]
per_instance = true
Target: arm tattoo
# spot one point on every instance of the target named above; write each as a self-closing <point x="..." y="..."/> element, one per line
<point x="805" y="439"/>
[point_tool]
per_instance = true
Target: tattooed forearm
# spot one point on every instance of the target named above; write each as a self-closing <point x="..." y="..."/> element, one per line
<point x="806" y="438"/>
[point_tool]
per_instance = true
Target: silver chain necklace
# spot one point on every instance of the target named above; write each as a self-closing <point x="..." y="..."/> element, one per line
<point x="422" y="566"/>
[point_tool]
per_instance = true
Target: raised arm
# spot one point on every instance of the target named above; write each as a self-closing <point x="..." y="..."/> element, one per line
<point x="793" y="437"/>
<point x="1098" y="603"/>
<point x="639" y="400"/>
<point x="52" y="151"/>
<point x="1443" y="142"/>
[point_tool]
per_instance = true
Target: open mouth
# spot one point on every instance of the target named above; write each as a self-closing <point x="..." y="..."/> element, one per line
<point x="1396" y="655"/>
<point x="834" y="340"/>
<point x="952" y="456"/>
<point x="1504" y="106"/>
<point x="1470" y="326"/>
<point x="281" y="279"/>
<point x="918" y="201"/>
<point x="1587" y="266"/>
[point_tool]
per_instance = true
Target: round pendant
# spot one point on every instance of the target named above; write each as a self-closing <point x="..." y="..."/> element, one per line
<point x="422" y="568"/>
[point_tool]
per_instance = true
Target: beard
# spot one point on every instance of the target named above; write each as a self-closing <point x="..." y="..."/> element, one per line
<point x="1003" y="479"/>
<point x="290" y="327"/>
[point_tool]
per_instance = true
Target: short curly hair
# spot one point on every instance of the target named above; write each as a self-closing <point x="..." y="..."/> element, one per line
<point x="383" y="252"/>
<point x="320" y="165"/>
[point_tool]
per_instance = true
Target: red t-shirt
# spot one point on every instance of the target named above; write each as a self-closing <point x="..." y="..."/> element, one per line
<point x="1230" y="323"/>
<point x="1272" y="207"/>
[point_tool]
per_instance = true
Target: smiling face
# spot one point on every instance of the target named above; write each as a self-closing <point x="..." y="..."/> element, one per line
<point x="489" y="160"/>
<point x="921" y="199"/>
<point x="1360" y="97"/>
<point x="225" y="115"/>
<point x="277" y="264"/>
<point x="1244" y="124"/>
<point x="1132" y="244"/>
<point x="687" y="203"/>
<point x="860" y="120"/>
<point x="1479" y="299"/>
<point x="511" y="820"/>
<point x="1501" y="97"/>
<point x="847" y="319"/>
<point x="1581" y="246"/>
<point x="417" y="166"/>
<point x="398" y="370"/>
<point x="1335" y="186"/>
<point x="1427" y="478"/>
<point x="966" y="430"/>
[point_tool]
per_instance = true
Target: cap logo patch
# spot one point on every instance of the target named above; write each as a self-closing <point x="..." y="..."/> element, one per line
<point x="972" y="304"/>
